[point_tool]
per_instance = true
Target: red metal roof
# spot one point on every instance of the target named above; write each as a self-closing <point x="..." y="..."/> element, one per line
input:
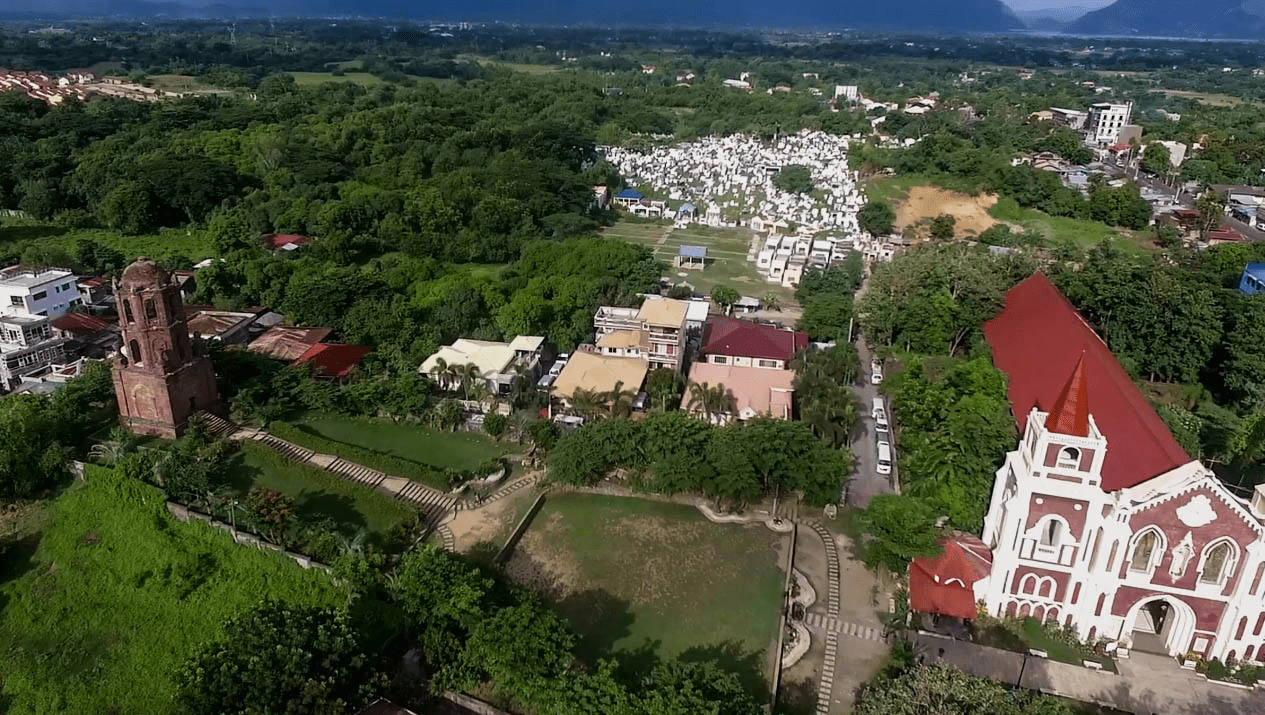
<point x="1037" y="340"/>
<point x="943" y="584"/>
<point x="80" y="323"/>
<point x="743" y="338"/>
<point x="1070" y="414"/>
<point x="334" y="360"/>
<point x="277" y="240"/>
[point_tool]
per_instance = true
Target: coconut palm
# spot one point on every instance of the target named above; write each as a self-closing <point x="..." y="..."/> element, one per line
<point x="618" y="400"/>
<point x="521" y="382"/>
<point x="713" y="401"/>
<point x="588" y="403"/>
<point x="469" y="378"/>
<point x="772" y="302"/>
<point x="445" y="375"/>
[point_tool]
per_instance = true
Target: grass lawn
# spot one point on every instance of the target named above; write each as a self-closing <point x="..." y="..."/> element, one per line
<point x="726" y="257"/>
<point x="640" y="578"/>
<point x="119" y="594"/>
<point x="183" y="83"/>
<point x="446" y="450"/>
<point x="318" y="493"/>
<point x="1083" y="233"/>
<point x="1030" y="634"/>
<point x="168" y="245"/>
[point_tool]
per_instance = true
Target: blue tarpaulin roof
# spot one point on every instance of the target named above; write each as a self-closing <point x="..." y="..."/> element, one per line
<point x="630" y="194"/>
<point x="693" y="252"/>
<point x="688" y="209"/>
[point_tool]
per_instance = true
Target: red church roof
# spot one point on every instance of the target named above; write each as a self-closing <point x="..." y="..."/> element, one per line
<point x="333" y="360"/>
<point x="80" y="323"/>
<point x="1070" y="414"/>
<point x="943" y="584"/>
<point x="743" y="338"/>
<point x="1038" y="340"/>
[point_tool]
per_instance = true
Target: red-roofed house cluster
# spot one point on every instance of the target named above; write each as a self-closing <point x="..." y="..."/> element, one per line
<point x="1098" y="519"/>
<point x="75" y="85"/>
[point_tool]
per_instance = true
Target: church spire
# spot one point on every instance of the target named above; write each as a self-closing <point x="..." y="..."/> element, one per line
<point x="1070" y="414"/>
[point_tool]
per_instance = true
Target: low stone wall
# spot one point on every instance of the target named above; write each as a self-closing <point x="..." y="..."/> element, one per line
<point x="517" y="534"/>
<point x="474" y="705"/>
<point x="184" y="513"/>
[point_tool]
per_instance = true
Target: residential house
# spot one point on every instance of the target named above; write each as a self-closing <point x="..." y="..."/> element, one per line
<point x="755" y="392"/>
<point x="87" y="336"/>
<point x="657" y="329"/>
<point x="1106" y="123"/>
<point x="285" y="241"/>
<point x="731" y="341"/>
<point x="498" y="363"/>
<point x="599" y="374"/>
<point x="284" y="342"/>
<point x="333" y="362"/>
<point x="1253" y="279"/>
<point x="41" y="292"/>
<point x="221" y="326"/>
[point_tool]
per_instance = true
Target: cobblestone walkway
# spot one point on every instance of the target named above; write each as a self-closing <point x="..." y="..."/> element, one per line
<point x="835" y="625"/>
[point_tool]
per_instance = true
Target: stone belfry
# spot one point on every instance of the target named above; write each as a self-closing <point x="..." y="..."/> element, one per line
<point x="159" y="380"/>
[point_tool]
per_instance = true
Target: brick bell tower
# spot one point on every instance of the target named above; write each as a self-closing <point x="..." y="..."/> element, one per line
<point x="159" y="380"/>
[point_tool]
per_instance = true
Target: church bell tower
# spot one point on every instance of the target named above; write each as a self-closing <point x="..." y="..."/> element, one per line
<point x="159" y="380"/>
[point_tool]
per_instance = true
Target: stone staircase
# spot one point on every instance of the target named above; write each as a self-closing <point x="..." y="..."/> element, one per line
<point x="432" y="502"/>
<point x="217" y="426"/>
<point x="356" y="473"/>
<point x="499" y="494"/>
<point x="436" y="506"/>
<point x="284" y="448"/>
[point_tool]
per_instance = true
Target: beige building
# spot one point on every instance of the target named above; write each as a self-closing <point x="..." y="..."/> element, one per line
<point x="599" y="374"/>
<point x="495" y="362"/>
<point x="654" y="332"/>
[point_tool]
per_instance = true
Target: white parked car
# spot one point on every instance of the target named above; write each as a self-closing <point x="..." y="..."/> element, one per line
<point x="880" y="420"/>
<point x="876" y="374"/>
<point x="884" y="458"/>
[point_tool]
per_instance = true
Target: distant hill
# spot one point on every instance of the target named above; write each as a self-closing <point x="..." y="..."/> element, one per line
<point x="1053" y="18"/>
<point x="950" y="15"/>
<point x="1176" y="18"/>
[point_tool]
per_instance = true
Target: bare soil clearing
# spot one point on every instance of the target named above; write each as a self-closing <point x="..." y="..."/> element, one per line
<point x="927" y="202"/>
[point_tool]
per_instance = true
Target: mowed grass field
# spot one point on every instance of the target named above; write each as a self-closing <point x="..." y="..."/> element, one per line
<point x="639" y="576"/>
<point x="318" y="494"/>
<point x="727" y="262"/>
<point x="119" y="594"/>
<point x="446" y="450"/>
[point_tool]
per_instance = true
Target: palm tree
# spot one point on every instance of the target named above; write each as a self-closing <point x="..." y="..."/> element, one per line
<point x="713" y="402"/>
<point x="619" y="400"/>
<point x="468" y="376"/>
<point x="521" y="382"/>
<point x="772" y="302"/>
<point x="587" y="403"/>
<point x="443" y="373"/>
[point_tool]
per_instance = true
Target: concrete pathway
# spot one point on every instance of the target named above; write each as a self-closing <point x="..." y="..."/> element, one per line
<point x="1147" y="684"/>
<point x="865" y="482"/>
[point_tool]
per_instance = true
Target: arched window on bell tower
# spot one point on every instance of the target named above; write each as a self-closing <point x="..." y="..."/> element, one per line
<point x="127" y="311"/>
<point x="151" y="309"/>
<point x="134" y="352"/>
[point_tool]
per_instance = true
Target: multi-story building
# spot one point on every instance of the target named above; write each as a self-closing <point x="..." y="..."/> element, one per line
<point x="48" y="292"/>
<point x="730" y="341"/>
<point x="1098" y="519"/>
<point x="1106" y="121"/>
<point x="656" y="331"/>
<point x="29" y="299"/>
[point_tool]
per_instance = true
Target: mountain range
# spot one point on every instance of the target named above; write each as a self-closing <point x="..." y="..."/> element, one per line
<point x="1166" y="18"/>
<point x="1176" y="18"/>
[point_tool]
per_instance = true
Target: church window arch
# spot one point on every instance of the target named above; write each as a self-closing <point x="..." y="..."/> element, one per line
<point x="1069" y="458"/>
<point x="1217" y="562"/>
<point x="1146" y="550"/>
<point x="127" y="311"/>
<point x="151" y="309"/>
<point x="134" y="352"/>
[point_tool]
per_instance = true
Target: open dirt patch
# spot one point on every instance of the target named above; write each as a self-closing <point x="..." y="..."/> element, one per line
<point x="927" y="202"/>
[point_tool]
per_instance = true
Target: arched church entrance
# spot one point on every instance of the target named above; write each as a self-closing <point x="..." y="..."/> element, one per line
<point x="1160" y="625"/>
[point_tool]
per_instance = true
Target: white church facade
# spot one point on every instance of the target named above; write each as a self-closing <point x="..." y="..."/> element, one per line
<point x="1098" y="519"/>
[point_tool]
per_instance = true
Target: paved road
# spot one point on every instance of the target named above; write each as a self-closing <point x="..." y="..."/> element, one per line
<point x="866" y="482"/>
<point x="1147" y="684"/>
